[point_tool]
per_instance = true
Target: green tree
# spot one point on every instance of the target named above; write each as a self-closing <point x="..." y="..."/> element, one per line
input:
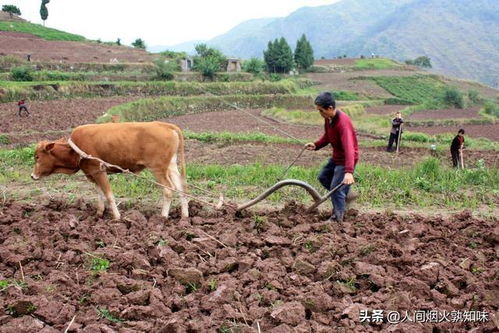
<point x="453" y="97"/>
<point x="118" y="41"/>
<point x="139" y="44"/>
<point x="304" y="54"/>
<point x="422" y="61"/>
<point x="254" y="65"/>
<point x="11" y="9"/>
<point x="278" y="56"/>
<point x="209" y="60"/>
<point x="208" y="66"/>
<point x="269" y="56"/>
<point x="44" y="12"/>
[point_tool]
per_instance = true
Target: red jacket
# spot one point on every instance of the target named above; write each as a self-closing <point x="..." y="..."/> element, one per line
<point x="339" y="132"/>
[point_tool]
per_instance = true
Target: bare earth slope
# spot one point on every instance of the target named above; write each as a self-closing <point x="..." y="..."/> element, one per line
<point x="21" y="44"/>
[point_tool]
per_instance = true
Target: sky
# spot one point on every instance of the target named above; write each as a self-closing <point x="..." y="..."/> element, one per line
<point x="156" y="22"/>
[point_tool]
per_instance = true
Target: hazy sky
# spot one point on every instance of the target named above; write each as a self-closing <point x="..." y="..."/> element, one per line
<point x="155" y="21"/>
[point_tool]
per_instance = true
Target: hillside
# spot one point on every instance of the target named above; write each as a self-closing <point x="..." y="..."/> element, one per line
<point x="19" y="38"/>
<point x="460" y="37"/>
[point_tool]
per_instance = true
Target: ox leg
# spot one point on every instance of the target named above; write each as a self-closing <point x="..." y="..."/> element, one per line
<point x="100" y="201"/>
<point x="163" y="179"/>
<point x="176" y="178"/>
<point x="103" y="184"/>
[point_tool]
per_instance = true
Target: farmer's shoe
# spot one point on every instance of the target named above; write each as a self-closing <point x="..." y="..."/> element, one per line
<point x="338" y="218"/>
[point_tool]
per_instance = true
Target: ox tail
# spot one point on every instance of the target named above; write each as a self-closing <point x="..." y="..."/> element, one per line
<point x="181" y="154"/>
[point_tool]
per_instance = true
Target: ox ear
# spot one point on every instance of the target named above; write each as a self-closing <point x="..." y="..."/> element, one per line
<point x="49" y="146"/>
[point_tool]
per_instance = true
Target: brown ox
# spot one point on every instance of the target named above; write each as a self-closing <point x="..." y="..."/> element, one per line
<point x="132" y="146"/>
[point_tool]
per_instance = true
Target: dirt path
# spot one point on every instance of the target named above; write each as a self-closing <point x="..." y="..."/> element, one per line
<point x="280" y="271"/>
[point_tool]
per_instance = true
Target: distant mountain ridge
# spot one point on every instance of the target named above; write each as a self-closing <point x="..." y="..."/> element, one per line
<point x="460" y="36"/>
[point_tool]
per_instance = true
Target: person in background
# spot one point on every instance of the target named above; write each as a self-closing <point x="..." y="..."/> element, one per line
<point x="395" y="132"/>
<point x="456" y="146"/>
<point x="340" y="133"/>
<point x="23" y="106"/>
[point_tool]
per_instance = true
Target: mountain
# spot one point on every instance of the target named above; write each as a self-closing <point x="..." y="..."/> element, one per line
<point x="183" y="47"/>
<point x="460" y="36"/>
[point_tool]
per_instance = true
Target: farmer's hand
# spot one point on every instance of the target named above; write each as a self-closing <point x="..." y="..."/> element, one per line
<point x="310" y="146"/>
<point x="348" y="179"/>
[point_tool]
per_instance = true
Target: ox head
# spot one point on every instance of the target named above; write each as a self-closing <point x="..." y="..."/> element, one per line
<point x="54" y="157"/>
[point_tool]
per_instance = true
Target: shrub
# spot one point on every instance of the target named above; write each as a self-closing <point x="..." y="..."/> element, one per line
<point x="474" y="96"/>
<point x="273" y="77"/>
<point x="208" y="66"/>
<point x="397" y="101"/>
<point x="164" y="69"/>
<point x="346" y="96"/>
<point x="254" y="65"/>
<point x="492" y="109"/>
<point x="4" y="139"/>
<point x="6" y="62"/>
<point x="22" y="73"/>
<point x="139" y="44"/>
<point x="454" y="97"/>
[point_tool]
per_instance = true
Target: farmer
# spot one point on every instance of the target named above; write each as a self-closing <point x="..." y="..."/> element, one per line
<point x="456" y="146"/>
<point x="23" y="106"/>
<point x="395" y="132"/>
<point x="339" y="132"/>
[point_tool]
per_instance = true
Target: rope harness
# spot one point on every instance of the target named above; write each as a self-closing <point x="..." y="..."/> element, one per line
<point x="105" y="165"/>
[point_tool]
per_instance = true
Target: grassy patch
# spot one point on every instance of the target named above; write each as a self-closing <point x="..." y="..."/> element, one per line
<point x="229" y="137"/>
<point x="377" y="63"/>
<point x="428" y="184"/>
<point x="105" y="313"/>
<point x="40" y="31"/>
<point x="309" y="117"/>
<point x="46" y="90"/>
<point x="150" y="109"/>
<point x="491" y="109"/>
<point x="416" y="89"/>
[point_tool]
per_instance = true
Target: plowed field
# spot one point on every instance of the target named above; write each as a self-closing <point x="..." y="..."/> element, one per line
<point x="277" y="271"/>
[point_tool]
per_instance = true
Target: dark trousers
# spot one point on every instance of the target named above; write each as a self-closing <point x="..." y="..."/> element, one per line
<point x="21" y="109"/>
<point x="331" y="175"/>
<point x="393" y="139"/>
<point x="456" y="158"/>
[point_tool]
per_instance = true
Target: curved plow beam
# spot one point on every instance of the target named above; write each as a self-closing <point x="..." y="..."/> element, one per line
<point x="287" y="182"/>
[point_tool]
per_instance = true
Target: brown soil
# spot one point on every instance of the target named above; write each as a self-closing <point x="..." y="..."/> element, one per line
<point x="282" y="271"/>
<point x="21" y="44"/>
<point x="446" y="114"/>
<point x="60" y="115"/>
<point x="466" y="86"/>
<point x="6" y="17"/>
<point x="52" y="120"/>
<point x="385" y="109"/>
<point x="342" y="62"/>
<point x="285" y="154"/>
<point x="347" y="81"/>
<point x="241" y="122"/>
<point x="476" y="131"/>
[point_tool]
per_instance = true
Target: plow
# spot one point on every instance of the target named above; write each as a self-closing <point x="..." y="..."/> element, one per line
<point x="318" y="199"/>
